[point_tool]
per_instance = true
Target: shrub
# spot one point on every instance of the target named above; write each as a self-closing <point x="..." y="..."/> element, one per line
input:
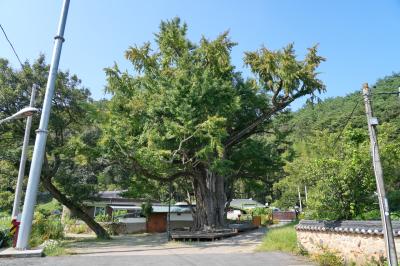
<point x="394" y="200"/>
<point x="395" y="216"/>
<point x="376" y="215"/>
<point x="5" y="221"/>
<point x="78" y="228"/>
<point x="147" y="209"/>
<point x="6" y="200"/>
<point x="49" y="208"/>
<point x="329" y="258"/>
<point x="75" y="226"/>
<point x="370" y="215"/>
<point x="102" y="218"/>
<point x="5" y="238"/>
<point x="260" y="211"/>
<point x="264" y="213"/>
<point x="45" y="228"/>
<point x="113" y="228"/>
<point x="5" y="224"/>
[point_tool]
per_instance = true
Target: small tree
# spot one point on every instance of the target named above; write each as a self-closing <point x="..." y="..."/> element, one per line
<point x="68" y="171"/>
<point x="147" y="209"/>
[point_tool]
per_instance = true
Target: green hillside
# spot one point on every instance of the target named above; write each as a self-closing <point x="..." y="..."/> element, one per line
<point x="332" y="113"/>
<point x="335" y="167"/>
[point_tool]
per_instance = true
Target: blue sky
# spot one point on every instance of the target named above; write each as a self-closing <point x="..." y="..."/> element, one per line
<point x="360" y="39"/>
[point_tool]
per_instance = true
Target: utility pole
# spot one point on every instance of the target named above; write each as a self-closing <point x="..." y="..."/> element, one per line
<point x="169" y="211"/>
<point x="383" y="202"/>
<point x="300" y="205"/>
<point x="40" y="142"/>
<point x="399" y="92"/>
<point x="305" y="193"/>
<point x="24" y="155"/>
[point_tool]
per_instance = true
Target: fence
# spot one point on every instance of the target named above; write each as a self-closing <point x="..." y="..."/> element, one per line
<point x="284" y="216"/>
<point x="356" y="241"/>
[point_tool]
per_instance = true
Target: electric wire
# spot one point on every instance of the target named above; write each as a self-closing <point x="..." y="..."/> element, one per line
<point x="12" y="46"/>
<point x="345" y="125"/>
<point x="390" y="93"/>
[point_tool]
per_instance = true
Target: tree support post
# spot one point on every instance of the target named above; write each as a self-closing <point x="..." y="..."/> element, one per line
<point x="383" y="202"/>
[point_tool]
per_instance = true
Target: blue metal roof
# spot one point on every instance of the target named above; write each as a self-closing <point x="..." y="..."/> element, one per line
<point x="175" y="209"/>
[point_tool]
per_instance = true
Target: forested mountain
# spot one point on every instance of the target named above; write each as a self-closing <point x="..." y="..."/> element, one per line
<point x="331" y="155"/>
<point x="332" y="113"/>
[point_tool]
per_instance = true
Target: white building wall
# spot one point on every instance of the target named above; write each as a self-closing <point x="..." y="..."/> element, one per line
<point x="181" y="217"/>
<point x="234" y="214"/>
<point x="132" y="220"/>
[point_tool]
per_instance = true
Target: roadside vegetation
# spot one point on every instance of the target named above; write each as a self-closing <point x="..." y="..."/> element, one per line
<point x="5" y="237"/>
<point x="332" y="158"/>
<point x="282" y="238"/>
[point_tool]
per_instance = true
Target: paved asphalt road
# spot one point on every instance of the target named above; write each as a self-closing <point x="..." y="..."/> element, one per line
<point x="153" y="250"/>
<point x="247" y="259"/>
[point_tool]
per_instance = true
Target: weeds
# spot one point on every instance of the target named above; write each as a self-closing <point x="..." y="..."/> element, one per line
<point x="281" y="238"/>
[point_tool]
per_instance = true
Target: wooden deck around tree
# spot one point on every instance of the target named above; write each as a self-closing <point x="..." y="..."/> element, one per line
<point x="202" y="235"/>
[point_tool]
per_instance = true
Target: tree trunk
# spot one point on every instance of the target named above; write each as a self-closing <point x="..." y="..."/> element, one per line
<point x="210" y="200"/>
<point x="57" y="194"/>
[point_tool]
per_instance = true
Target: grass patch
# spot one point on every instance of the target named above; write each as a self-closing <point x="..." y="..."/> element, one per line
<point x="58" y="250"/>
<point x="329" y="258"/>
<point x="282" y="238"/>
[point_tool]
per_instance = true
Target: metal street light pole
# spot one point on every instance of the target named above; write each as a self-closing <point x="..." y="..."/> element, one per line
<point x="24" y="112"/>
<point x="40" y="142"/>
<point x="24" y="155"/>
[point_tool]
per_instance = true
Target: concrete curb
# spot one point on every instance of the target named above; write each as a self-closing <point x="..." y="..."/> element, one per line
<point x="14" y="253"/>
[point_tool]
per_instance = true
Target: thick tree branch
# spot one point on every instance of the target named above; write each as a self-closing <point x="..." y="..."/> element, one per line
<point x="251" y="128"/>
<point x="138" y="168"/>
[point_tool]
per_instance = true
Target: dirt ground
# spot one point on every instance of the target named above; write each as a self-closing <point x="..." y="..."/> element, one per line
<point x="157" y="244"/>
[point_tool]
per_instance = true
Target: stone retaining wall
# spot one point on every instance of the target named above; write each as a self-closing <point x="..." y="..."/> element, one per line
<point x="355" y="241"/>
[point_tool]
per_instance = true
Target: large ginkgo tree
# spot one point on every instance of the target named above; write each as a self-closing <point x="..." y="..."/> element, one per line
<point x="185" y="110"/>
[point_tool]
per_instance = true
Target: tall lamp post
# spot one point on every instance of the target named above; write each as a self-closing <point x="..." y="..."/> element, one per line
<point x="25" y="112"/>
<point x="41" y="137"/>
<point x="24" y="155"/>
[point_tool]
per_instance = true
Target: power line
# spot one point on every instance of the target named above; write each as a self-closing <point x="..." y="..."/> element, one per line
<point x="355" y="106"/>
<point x="12" y="47"/>
<point x="347" y="121"/>
<point x="390" y="93"/>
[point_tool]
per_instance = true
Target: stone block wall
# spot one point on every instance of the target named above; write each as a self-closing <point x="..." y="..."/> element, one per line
<point x="355" y="241"/>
